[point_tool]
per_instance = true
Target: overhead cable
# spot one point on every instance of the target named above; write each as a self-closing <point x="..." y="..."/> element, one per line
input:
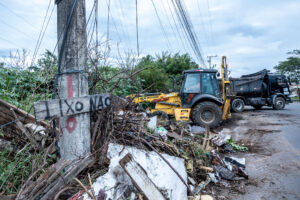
<point x="162" y="27"/>
<point x="42" y="32"/>
<point x="178" y="30"/>
<point x="17" y="15"/>
<point x="137" y="28"/>
<point x="189" y="29"/>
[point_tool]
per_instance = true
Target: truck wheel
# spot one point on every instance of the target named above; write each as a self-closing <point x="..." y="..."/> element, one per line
<point x="257" y="107"/>
<point x="237" y="105"/>
<point x="207" y="114"/>
<point x="279" y="103"/>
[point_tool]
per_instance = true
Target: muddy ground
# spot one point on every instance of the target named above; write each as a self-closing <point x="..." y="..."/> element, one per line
<point x="273" y="160"/>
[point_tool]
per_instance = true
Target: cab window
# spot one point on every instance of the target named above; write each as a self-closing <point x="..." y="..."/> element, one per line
<point x="210" y="84"/>
<point x="192" y="83"/>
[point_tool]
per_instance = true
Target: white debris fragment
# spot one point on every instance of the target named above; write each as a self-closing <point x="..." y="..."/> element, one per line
<point x="38" y="132"/>
<point x="221" y="138"/>
<point x="157" y="170"/>
<point x="152" y="123"/>
<point x="121" y="113"/>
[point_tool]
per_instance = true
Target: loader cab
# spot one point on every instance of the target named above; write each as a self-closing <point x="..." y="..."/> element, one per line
<point x="198" y="85"/>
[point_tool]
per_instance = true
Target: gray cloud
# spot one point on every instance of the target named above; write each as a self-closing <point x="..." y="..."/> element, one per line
<point x="252" y="34"/>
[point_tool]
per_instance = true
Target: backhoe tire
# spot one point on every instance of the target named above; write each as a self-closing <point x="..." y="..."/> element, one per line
<point x="207" y="114"/>
<point x="257" y="107"/>
<point x="279" y="103"/>
<point x="237" y="105"/>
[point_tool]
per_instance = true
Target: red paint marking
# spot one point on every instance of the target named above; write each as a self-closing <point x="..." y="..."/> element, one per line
<point x="70" y="87"/>
<point x="71" y="121"/>
<point x="71" y="124"/>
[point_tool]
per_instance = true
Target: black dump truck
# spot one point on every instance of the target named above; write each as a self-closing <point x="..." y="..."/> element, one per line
<point x="260" y="89"/>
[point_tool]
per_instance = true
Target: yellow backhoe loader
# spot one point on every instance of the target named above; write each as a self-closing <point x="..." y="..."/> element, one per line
<point x="200" y="98"/>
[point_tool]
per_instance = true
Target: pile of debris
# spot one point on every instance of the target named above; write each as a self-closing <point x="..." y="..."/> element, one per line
<point x="136" y="156"/>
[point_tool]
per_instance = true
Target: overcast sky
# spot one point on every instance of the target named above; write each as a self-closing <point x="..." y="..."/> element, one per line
<point x="252" y="34"/>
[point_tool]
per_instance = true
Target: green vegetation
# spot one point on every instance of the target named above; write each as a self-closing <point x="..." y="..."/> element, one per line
<point x="162" y="69"/>
<point x="235" y="146"/>
<point x="16" y="166"/>
<point x="291" y="66"/>
<point x="295" y="98"/>
<point x="22" y="86"/>
<point x="118" y="82"/>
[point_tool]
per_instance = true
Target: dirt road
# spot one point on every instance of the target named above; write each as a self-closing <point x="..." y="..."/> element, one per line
<point x="273" y="160"/>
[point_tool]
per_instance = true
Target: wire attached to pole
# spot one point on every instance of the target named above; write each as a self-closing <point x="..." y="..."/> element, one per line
<point x="137" y="28"/>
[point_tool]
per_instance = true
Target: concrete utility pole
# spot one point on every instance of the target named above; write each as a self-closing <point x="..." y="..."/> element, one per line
<point x="74" y="140"/>
<point x="209" y="60"/>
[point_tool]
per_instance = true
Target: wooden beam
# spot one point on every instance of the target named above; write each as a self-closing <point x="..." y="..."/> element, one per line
<point x="70" y="106"/>
<point x="72" y="171"/>
<point x="140" y="179"/>
<point x="5" y="108"/>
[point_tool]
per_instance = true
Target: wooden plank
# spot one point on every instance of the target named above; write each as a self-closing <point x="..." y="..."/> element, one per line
<point x="25" y="131"/>
<point x="8" y="116"/>
<point x="70" y="106"/>
<point x="63" y="180"/>
<point x="140" y="179"/>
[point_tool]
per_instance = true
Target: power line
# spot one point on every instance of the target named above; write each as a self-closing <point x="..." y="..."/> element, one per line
<point x="178" y="31"/>
<point x="186" y="23"/>
<point x="185" y="34"/>
<point x="169" y="22"/>
<point x="205" y="32"/>
<point x="111" y="17"/>
<point x="42" y="32"/>
<point x="19" y="16"/>
<point x="121" y="15"/>
<point x="122" y="19"/>
<point x="25" y="34"/>
<point x="181" y="35"/>
<point x="137" y="28"/>
<point x="96" y="26"/>
<point x="210" y="23"/>
<point x="107" y="28"/>
<point x="10" y="42"/>
<point x="189" y="27"/>
<point x="161" y="26"/>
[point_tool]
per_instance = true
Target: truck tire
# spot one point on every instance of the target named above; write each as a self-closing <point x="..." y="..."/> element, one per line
<point x="279" y="103"/>
<point x="237" y="105"/>
<point x="207" y="114"/>
<point x="257" y="107"/>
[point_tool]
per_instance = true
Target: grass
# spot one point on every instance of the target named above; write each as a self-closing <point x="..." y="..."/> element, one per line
<point x="16" y="165"/>
<point x="295" y="99"/>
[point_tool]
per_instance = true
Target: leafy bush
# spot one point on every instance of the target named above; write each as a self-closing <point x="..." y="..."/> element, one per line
<point x="160" y="70"/>
<point x="22" y="87"/>
<point x="117" y="83"/>
<point x="16" y="168"/>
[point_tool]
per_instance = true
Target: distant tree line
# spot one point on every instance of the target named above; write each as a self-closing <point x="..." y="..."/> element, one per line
<point x="23" y="85"/>
<point x="291" y="66"/>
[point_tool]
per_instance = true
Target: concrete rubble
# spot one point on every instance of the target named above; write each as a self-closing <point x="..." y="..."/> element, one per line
<point x="157" y="170"/>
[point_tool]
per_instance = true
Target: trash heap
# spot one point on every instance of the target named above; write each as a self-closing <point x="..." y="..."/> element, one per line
<point x="176" y="159"/>
<point x="138" y="156"/>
